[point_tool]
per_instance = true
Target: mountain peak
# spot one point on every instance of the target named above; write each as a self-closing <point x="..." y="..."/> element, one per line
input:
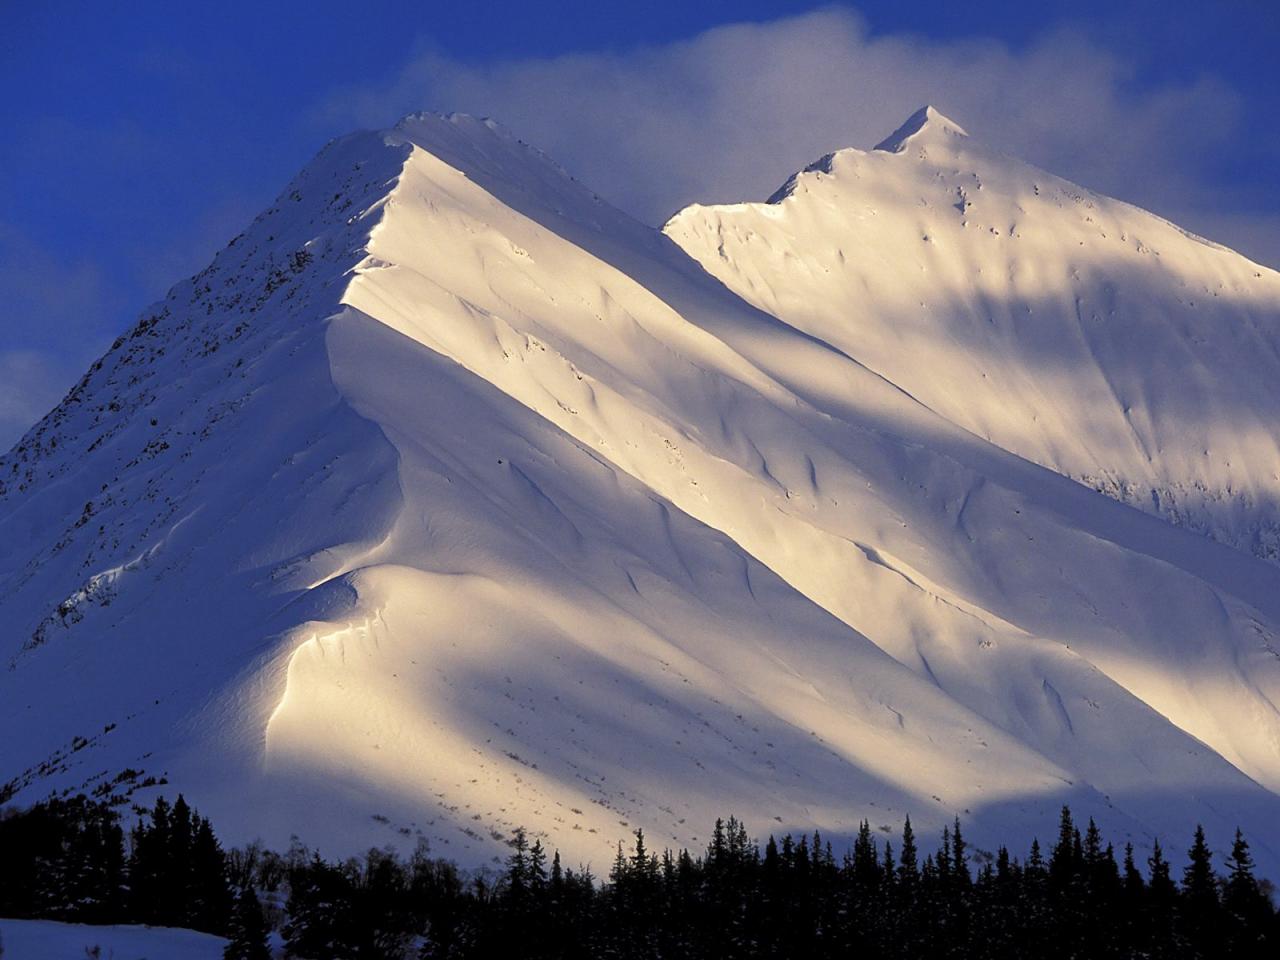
<point x="512" y="170"/>
<point x="928" y="122"/>
<point x="445" y="455"/>
<point x="468" y="142"/>
<point x="926" y="125"/>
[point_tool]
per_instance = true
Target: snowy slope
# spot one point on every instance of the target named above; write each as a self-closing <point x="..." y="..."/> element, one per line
<point x="1075" y="330"/>
<point x="50" y="940"/>
<point x="450" y="499"/>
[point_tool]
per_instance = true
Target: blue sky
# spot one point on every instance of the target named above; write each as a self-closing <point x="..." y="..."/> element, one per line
<point x="139" y="137"/>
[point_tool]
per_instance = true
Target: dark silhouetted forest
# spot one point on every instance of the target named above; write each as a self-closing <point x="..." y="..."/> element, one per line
<point x="71" y="859"/>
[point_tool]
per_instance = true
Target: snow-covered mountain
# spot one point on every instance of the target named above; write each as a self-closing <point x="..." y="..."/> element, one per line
<point x="1074" y="330"/>
<point x="450" y="499"/>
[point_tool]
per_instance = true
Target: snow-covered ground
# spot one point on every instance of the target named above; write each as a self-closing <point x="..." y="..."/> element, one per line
<point x="50" y="940"/>
<point x="1077" y="331"/>
<point x="450" y="499"/>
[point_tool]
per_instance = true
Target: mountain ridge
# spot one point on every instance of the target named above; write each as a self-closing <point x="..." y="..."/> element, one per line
<point x="925" y="122"/>
<point x="968" y="277"/>
<point x="492" y="439"/>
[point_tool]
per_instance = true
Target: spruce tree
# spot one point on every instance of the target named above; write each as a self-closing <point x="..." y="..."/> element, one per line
<point x="620" y="872"/>
<point x="247" y="936"/>
<point x="888" y="872"/>
<point x="1133" y="897"/>
<point x="209" y="902"/>
<point x="148" y="866"/>
<point x="959" y="894"/>
<point x="1035" y="919"/>
<point x="1064" y="858"/>
<point x="319" y="908"/>
<point x="866" y="867"/>
<point x="518" y="869"/>
<point x="795" y="901"/>
<point x="960" y="856"/>
<point x="1162" y="906"/>
<point x="943" y="858"/>
<point x="1134" y="885"/>
<point x="908" y="866"/>
<point x="537" y="871"/>
<point x="174" y="871"/>
<point x="1248" y="908"/>
<point x="996" y="915"/>
<point x="1200" y="905"/>
<point x="382" y="917"/>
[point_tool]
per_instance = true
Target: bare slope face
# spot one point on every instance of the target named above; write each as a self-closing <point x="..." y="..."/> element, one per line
<point x="450" y="499"/>
<point x="1074" y="330"/>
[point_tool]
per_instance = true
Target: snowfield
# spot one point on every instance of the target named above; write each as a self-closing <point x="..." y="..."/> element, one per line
<point x="1074" y="330"/>
<point x="50" y="940"/>
<point x="450" y="499"/>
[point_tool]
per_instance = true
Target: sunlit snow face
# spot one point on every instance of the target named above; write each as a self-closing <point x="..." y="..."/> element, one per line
<point x="455" y="496"/>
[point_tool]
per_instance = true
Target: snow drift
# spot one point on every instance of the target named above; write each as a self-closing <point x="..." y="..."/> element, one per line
<point x="450" y="499"/>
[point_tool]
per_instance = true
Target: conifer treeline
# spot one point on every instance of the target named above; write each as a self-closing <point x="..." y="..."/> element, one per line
<point x="67" y="859"/>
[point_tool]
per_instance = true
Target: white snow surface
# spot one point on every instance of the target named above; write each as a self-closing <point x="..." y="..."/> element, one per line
<point x="50" y="940"/>
<point x="1074" y="330"/>
<point x="450" y="499"/>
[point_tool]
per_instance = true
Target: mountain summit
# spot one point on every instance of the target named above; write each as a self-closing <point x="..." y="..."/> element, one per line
<point x="1074" y="330"/>
<point x="453" y="497"/>
<point x="925" y="123"/>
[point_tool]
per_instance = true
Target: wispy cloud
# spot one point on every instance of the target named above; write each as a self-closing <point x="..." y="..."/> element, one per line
<point x="729" y="114"/>
<point x="30" y="384"/>
<point x="59" y="314"/>
<point x="52" y="327"/>
<point x="726" y="115"/>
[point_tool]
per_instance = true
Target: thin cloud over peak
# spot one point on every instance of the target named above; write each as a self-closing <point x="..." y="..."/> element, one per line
<point x="730" y="113"/>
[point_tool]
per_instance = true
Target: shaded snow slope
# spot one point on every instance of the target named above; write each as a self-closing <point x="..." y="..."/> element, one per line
<point x="1075" y="330"/>
<point x="451" y="499"/>
<point x="50" y="940"/>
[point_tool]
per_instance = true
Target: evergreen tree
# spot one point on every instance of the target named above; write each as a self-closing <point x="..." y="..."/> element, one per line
<point x="1035" y="917"/>
<point x="1098" y="912"/>
<point x="1132" y="904"/>
<point x="537" y="871"/>
<point x="176" y="868"/>
<point x="866" y="868"/>
<point x="1064" y="858"/>
<point x="319" y="909"/>
<point x="518" y="870"/>
<point x="63" y="858"/>
<point x="148" y="866"/>
<point x="1134" y="886"/>
<point x="557" y="875"/>
<point x="436" y="890"/>
<point x="997" y="892"/>
<point x="1248" y="909"/>
<point x="1199" y="913"/>
<point x="209" y="901"/>
<point x="642" y="897"/>
<point x="958" y="896"/>
<point x="960" y="856"/>
<point x="177" y="871"/>
<point x="247" y="935"/>
<point x="908" y="867"/>
<point x="1162" y="906"/>
<point x="888" y="874"/>
<point x="943" y="858"/>
<point x="382" y="918"/>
